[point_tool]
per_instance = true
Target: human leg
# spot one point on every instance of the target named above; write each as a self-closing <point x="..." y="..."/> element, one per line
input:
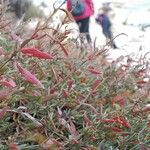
<point x="109" y="38"/>
<point x="84" y="28"/>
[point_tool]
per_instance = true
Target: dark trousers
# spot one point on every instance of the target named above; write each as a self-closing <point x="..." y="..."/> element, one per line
<point x="108" y="35"/>
<point x="84" y="28"/>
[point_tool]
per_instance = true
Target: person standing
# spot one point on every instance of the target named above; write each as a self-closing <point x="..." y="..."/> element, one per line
<point x="82" y="10"/>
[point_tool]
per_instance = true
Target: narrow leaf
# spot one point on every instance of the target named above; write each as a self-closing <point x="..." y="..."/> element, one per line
<point x="34" y="52"/>
<point x="29" y="76"/>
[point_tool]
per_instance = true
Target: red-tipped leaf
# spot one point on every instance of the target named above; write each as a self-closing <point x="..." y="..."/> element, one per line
<point x="34" y="52"/>
<point x="5" y="93"/>
<point x="29" y="76"/>
<point x="69" y="84"/>
<point x="94" y="70"/>
<point x="7" y="82"/>
<point x="95" y="85"/>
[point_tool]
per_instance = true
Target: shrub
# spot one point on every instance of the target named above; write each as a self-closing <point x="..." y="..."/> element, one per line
<point x="56" y="95"/>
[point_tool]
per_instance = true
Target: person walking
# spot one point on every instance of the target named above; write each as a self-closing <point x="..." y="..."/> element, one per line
<point x="103" y="20"/>
<point x="81" y="11"/>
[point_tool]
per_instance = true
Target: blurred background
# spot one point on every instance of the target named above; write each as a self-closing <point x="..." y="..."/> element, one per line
<point x="131" y="17"/>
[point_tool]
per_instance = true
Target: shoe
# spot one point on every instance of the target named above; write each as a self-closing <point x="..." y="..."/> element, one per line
<point x="114" y="46"/>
